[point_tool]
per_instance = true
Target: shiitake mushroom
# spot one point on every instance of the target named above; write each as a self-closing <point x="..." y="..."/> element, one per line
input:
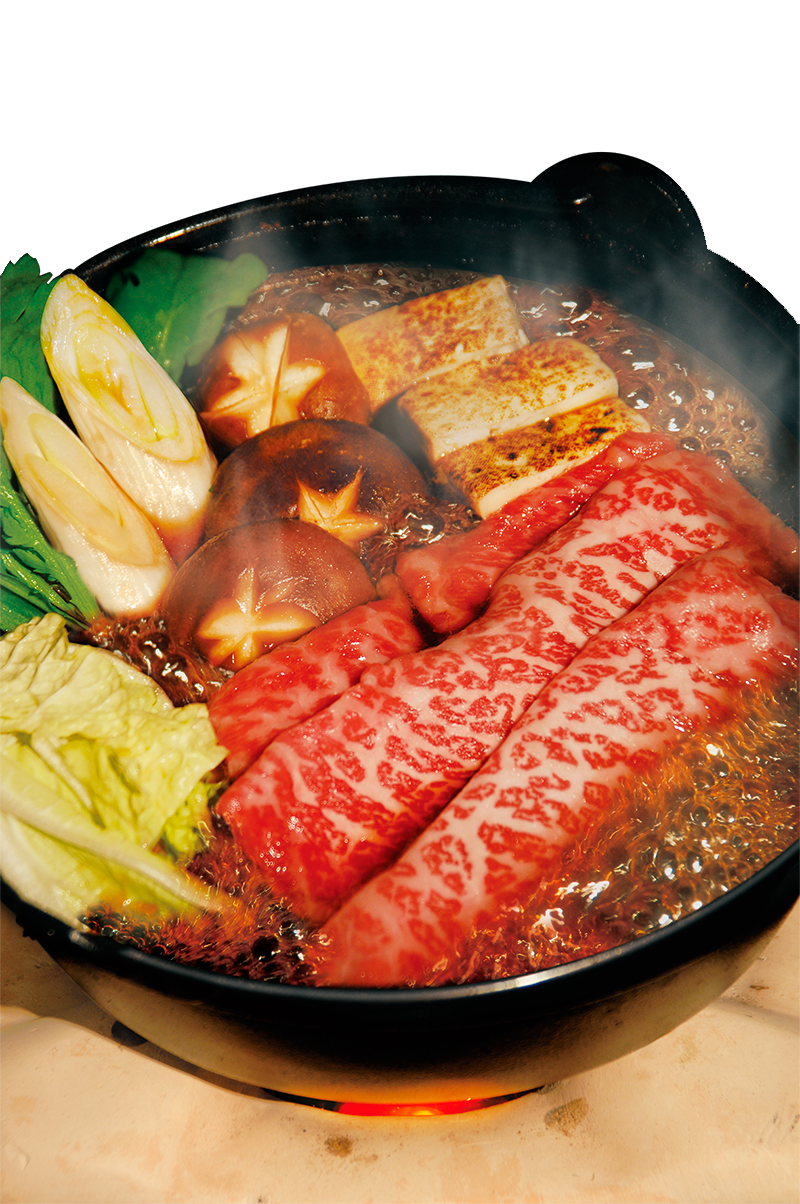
<point x="252" y="587"/>
<point x="343" y="476"/>
<point x="275" y="371"/>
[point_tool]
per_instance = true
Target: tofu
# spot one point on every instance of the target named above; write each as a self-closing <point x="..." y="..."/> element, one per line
<point x="491" y="472"/>
<point x="395" y="348"/>
<point x="489" y="396"/>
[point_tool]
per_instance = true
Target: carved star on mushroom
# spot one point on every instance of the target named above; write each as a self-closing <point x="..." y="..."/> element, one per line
<point x="241" y="627"/>
<point x="336" y="512"/>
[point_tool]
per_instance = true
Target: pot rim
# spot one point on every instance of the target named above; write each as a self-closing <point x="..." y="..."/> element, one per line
<point x="665" y="948"/>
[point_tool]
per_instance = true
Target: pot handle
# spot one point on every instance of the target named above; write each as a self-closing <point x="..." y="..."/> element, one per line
<point x="624" y="198"/>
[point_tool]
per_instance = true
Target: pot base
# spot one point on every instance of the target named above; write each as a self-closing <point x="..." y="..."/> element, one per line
<point x="431" y="1066"/>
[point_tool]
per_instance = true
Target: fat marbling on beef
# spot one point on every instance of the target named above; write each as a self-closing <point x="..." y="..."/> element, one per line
<point x="335" y="799"/>
<point x="299" y="678"/>
<point x="677" y="660"/>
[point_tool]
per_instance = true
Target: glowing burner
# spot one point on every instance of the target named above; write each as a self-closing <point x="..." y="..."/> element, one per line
<point x="441" y="1109"/>
<point x="448" y="1108"/>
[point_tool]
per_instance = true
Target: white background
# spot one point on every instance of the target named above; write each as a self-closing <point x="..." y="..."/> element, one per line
<point x="120" y="118"/>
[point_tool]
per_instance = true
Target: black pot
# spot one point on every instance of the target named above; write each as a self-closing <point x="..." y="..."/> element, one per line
<point x="612" y="223"/>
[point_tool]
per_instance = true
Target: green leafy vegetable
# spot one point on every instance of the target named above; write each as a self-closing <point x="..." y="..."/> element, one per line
<point x="96" y="764"/>
<point x="177" y="304"/>
<point x="24" y="289"/>
<point x="34" y="578"/>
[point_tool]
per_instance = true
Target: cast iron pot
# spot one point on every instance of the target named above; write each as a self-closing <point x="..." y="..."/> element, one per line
<point x="615" y="224"/>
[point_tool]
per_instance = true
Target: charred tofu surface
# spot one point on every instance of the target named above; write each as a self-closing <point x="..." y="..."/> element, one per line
<point x="504" y="392"/>
<point x="395" y="348"/>
<point x="493" y="471"/>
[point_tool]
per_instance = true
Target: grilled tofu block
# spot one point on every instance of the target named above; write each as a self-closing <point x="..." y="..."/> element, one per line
<point x="500" y="393"/>
<point x="492" y="471"/>
<point x="397" y="347"/>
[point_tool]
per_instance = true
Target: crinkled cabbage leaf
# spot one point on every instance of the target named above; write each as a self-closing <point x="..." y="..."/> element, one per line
<point x="99" y="769"/>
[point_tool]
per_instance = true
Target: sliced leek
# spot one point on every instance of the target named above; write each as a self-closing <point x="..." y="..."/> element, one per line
<point x="128" y="411"/>
<point x="82" y="510"/>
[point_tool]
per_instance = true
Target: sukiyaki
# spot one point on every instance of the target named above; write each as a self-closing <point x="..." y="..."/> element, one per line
<point x="442" y="581"/>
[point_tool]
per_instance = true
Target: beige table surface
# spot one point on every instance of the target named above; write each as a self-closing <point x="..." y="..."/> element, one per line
<point x="711" y="1112"/>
